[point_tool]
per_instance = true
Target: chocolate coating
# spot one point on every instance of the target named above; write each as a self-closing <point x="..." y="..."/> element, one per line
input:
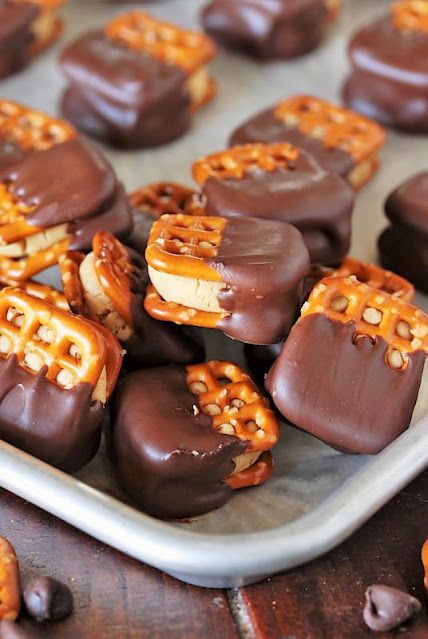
<point x="60" y="427"/>
<point x="267" y="28"/>
<point x="263" y="263"/>
<point x="71" y="183"/>
<point x="9" y="154"/>
<point x="15" y="35"/>
<point x="387" y="608"/>
<point x="403" y="246"/>
<point x="318" y="202"/>
<point x="47" y="599"/>
<point x="169" y="460"/>
<point x="389" y="80"/>
<point x="122" y="96"/>
<point x="266" y="128"/>
<point x="340" y="389"/>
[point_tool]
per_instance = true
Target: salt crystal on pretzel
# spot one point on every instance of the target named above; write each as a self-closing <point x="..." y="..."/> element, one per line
<point x="358" y="355"/>
<point x="62" y="369"/>
<point x="241" y="275"/>
<point x="42" y="291"/>
<point x="10" y="591"/>
<point x="213" y="434"/>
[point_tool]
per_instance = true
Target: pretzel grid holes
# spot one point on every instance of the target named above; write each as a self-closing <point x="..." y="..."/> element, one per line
<point x="228" y="395"/>
<point x="196" y="236"/>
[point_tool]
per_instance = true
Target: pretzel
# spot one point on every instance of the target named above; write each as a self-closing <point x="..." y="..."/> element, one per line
<point x="410" y="15"/>
<point x="165" y="311"/>
<point x="179" y="243"/>
<point x="424" y="555"/>
<point x="159" y="198"/>
<point x="10" y="593"/>
<point x="23" y="269"/>
<point x="376" y="277"/>
<point x="334" y="7"/>
<point x="42" y="291"/>
<point x="69" y="264"/>
<point x="258" y="473"/>
<point x="40" y="335"/>
<point x="374" y="313"/>
<point x="335" y="126"/>
<point x="188" y="50"/>
<point x="229" y="396"/>
<point x="30" y="129"/>
<point x="241" y="160"/>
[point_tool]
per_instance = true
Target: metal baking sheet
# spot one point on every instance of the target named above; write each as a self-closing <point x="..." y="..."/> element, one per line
<point x="317" y="496"/>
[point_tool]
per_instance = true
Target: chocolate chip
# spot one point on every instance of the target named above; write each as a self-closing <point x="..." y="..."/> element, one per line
<point x="47" y="599"/>
<point x="11" y="630"/>
<point x="387" y="608"/>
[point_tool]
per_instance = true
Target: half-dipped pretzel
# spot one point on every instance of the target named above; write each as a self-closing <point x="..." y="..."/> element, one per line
<point x="229" y="396"/>
<point x="240" y="160"/>
<point x="258" y="473"/>
<point x="40" y="335"/>
<point x="376" y="277"/>
<point x="410" y="15"/>
<point x="374" y="313"/>
<point x="336" y="128"/>
<point x="47" y="26"/>
<point x="424" y="555"/>
<point x="166" y="311"/>
<point x="160" y="198"/>
<point x="188" y="50"/>
<point x="31" y="129"/>
<point x="10" y="592"/>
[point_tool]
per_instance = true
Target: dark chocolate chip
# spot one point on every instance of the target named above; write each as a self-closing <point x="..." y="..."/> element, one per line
<point x="387" y="608"/>
<point x="47" y="599"/>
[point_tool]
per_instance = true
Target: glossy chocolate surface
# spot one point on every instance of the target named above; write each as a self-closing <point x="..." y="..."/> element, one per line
<point x="340" y="389"/>
<point x="61" y="427"/>
<point x="408" y="203"/>
<point x="9" y="153"/>
<point x="169" y="460"/>
<point x="15" y="35"/>
<point x="387" y="608"/>
<point x="389" y="81"/>
<point x="89" y="194"/>
<point x="267" y="28"/>
<point x="263" y="264"/>
<point x="265" y="127"/>
<point x="122" y="96"/>
<point x="318" y="202"/>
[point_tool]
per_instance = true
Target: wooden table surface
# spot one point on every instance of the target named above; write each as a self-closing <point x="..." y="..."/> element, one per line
<point x="118" y="598"/>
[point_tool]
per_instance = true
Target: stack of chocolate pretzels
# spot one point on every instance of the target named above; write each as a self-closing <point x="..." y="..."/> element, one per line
<point x="257" y="251"/>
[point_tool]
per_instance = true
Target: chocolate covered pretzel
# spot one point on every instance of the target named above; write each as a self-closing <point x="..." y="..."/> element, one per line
<point x="209" y="432"/>
<point x="357" y="356"/>
<point x="10" y="590"/>
<point x="269" y="30"/>
<point x="389" y="76"/>
<point x="280" y="182"/>
<point x="54" y="201"/>
<point x="137" y="82"/>
<point x="23" y="130"/>
<point x="27" y="27"/>
<point x="108" y="285"/>
<point x="241" y="275"/>
<point x="341" y="140"/>
<point x="57" y="372"/>
<point x="153" y="200"/>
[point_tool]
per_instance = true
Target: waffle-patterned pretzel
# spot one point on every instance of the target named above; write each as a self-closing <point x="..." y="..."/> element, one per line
<point x="374" y="313"/>
<point x="71" y="349"/>
<point x="69" y="265"/>
<point x="376" y="277"/>
<point x="410" y="15"/>
<point x="24" y="268"/>
<point x="424" y="555"/>
<point x="229" y="396"/>
<point x="179" y="243"/>
<point x="335" y="126"/>
<point x="160" y="198"/>
<point x="114" y="270"/>
<point x="241" y="160"/>
<point x="42" y="291"/>
<point x="32" y="130"/>
<point x="160" y="309"/>
<point x="188" y="50"/>
<point x="13" y="213"/>
<point x="10" y="593"/>
<point x="257" y="473"/>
